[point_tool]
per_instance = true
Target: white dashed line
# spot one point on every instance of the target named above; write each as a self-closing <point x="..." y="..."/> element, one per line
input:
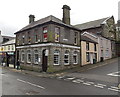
<point x="77" y="81"/>
<point x="101" y="85"/>
<point x="71" y="78"/>
<point x="86" y="84"/>
<point x="114" y="89"/>
<point x="98" y="86"/>
<point x="90" y="82"/>
<point x="114" y="73"/>
<point x="31" y="84"/>
<point x="60" y="77"/>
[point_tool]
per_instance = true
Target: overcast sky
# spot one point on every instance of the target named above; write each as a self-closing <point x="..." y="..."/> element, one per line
<point x="14" y="13"/>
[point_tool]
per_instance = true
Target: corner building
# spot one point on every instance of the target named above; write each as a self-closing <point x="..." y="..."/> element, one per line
<point x="48" y="44"/>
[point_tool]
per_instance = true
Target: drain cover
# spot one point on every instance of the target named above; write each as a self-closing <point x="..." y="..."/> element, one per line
<point x="32" y="93"/>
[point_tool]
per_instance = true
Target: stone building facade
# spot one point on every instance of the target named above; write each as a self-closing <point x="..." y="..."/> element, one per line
<point x="48" y="44"/>
<point x="104" y="46"/>
<point x="89" y="49"/>
<point x="104" y="27"/>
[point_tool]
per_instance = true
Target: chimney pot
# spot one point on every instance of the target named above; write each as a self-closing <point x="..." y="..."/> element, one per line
<point x="66" y="14"/>
<point x="31" y="18"/>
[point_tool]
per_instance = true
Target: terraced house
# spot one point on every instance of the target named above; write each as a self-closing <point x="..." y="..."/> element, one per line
<point x="49" y="44"/>
<point x="105" y="28"/>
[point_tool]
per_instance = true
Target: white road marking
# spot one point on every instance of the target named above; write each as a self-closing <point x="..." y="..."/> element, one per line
<point x="77" y="81"/>
<point x="101" y="84"/>
<point x="86" y="84"/>
<point x="60" y="77"/>
<point x="98" y="86"/>
<point x="4" y="75"/>
<point x="114" y="89"/>
<point x="71" y="78"/>
<point x="31" y="84"/>
<point x="90" y="82"/>
<point x="114" y="73"/>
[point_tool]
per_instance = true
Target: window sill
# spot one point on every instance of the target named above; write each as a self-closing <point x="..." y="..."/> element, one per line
<point x="28" y="62"/>
<point x="36" y="63"/>
<point x="56" y="64"/>
<point x="75" y="63"/>
<point x="66" y="64"/>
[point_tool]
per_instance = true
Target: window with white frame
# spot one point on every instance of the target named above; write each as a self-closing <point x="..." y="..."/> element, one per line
<point x="56" y="57"/>
<point x="45" y="32"/>
<point x="36" y="56"/>
<point x="107" y="53"/>
<point x="66" y="57"/>
<point x="75" y="58"/>
<point x="29" y="56"/>
<point x="22" y="56"/>
<point x="57" y="32"/>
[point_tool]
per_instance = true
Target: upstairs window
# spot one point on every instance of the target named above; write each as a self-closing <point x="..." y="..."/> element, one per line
<point x="36" y="35"/>
<point x="45" y="31"/>
<point x="75" y="38"/>
<point x="8" y="47"/>
<point x="95" y="47"/>
<point x="29" y="38"/>
<point x="57" y="32"/>
<point x="23" y="38"/>
<point x="87" y="46"/>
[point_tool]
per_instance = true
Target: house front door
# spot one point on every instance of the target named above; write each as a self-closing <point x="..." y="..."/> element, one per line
<point x="91" y="58"/>
<point x="44" y="61"/>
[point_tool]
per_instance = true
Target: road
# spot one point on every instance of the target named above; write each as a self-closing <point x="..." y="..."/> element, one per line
<point x="97" y="81"/>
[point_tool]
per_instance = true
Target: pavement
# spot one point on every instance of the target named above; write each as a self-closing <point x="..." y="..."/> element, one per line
<point x="64" y="72"/>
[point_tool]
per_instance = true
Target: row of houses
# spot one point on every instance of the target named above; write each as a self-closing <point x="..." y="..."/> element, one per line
<point x="51" y="44"/>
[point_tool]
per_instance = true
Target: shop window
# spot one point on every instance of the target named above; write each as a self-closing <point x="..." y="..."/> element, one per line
<point x="57" y="32"/>
<point x="45" y="31"/>
<point x="29" y="56"/>
<point x="75" y="58"/>
<point x="66" y="57"/>
<point x="87" y="57"/>
<point x="36" y="56"/>
<point x="56" y="57"/>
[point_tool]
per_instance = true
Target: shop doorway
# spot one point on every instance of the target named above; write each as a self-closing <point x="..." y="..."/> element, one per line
<point x="44" y="61"/>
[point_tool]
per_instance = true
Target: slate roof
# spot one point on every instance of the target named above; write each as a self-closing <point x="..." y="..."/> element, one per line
<point x="91" y="24"/>
<point x="45" y="20"/>
<point x="85" y="38"/>
<point x="9" y="42"/>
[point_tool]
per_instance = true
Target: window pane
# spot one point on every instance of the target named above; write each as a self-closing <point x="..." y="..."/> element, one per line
<point x="36" y="58"/>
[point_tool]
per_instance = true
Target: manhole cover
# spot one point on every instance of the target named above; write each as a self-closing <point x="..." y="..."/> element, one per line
<point x="32" y="93"/>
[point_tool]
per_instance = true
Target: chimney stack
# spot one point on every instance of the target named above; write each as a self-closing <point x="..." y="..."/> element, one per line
<point x="66" y="14"/>
<point x="31" y="18"/>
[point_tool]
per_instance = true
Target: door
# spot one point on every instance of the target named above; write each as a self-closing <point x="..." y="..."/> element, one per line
<point x="91" y="58"/>
<point x="44" y="61"/>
